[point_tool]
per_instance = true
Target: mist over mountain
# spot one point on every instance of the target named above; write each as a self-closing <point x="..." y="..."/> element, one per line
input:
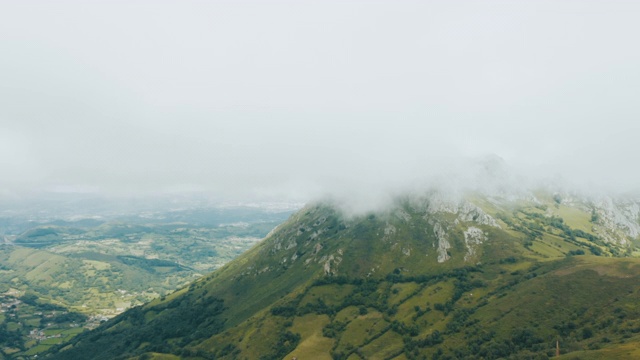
<point x="454" y="177"/>
<point x="282" y="101"/>
<point x="489" y="176"/>
<point x="469" y="171"/>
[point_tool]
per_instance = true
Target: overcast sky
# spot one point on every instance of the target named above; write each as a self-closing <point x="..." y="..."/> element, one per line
<point x="294" y="98"/>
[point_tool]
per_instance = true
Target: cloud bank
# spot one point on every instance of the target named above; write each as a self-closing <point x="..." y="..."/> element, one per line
<point x="249" y="99"/>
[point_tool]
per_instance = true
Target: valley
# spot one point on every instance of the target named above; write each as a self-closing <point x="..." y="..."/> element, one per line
<point x="61" y="277"/>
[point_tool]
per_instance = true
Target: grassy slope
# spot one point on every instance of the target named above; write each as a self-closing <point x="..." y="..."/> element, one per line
<point x="521" y="294"/>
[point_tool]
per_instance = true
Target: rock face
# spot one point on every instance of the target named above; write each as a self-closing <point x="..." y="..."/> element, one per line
<point x="443" y="243"/>
<point x="473" y="237"/>
<point x="389" y="232"/>
<point x="469" y="212"/>
<point x="430" y="216"/>
<point x="466" y="211"/>
<point x="454" y="227"/>
<point x="619" y="215"/>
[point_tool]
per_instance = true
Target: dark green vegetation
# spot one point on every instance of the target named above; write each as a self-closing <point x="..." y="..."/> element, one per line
<point x="428" y="279"/>
<point x="30" y="326"/>
<point x="96" y="269"/>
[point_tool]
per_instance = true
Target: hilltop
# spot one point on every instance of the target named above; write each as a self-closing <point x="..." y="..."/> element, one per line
<point x="433" y="276"/>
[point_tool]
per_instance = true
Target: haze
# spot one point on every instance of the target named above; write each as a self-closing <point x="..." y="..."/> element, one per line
<point x="276" y="99"/>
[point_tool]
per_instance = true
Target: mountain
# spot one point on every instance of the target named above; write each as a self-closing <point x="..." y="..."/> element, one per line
<point x="433" y="276"/>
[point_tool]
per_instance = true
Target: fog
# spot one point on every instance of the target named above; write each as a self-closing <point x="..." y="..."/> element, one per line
<point x="290" y="100"/>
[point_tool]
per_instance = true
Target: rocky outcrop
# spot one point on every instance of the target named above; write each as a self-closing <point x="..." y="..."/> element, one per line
<point x="443" y="243"/>
<point x="469" y="212"/>
<point x="389" y="232"/>
<point x="403" y="215"/>
<point x="622" y="215"/>
<point x="327" y="267"/>
<point x="473" y="237"/>
<point x="466" y="211"/>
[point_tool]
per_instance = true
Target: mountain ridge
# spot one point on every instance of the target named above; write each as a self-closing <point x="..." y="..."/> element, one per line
<point x="451" y="259"/>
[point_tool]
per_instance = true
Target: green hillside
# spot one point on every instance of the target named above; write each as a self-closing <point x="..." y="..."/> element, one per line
<point x="430" y="278"/>
<point x="99" y="269"/>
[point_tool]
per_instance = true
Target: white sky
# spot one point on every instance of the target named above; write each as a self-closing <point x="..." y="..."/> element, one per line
<point x="293" y="98"/>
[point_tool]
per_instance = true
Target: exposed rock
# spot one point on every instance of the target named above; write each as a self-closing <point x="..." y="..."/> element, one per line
<point x="443" y="243"/>
<point x="621" y="215"/>
<point x="317" y="249"/>
<point x="473" y="237"/>
<point x="277" y="246"/>
<point x="389" y="231"/>
<point x="469" y="212"/>
<point x="403" y="215"/>
<point x="292" y="243"/>
<point x="327" y="265"/>
<point x="466" y="211"/>
<point x="337" y="260"/>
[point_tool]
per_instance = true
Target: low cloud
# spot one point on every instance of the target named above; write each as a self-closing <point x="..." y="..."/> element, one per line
<point x="284" y="101"/>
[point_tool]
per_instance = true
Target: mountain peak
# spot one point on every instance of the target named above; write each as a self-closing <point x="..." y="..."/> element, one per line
<point x="419" y="275"/>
